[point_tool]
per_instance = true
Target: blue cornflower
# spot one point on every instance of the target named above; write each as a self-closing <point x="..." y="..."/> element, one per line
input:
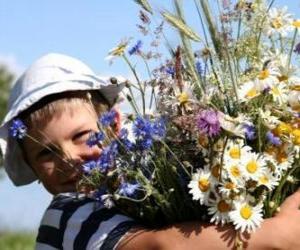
<point x="17" y="129"/>
<point x="249" y="131"/>
<point x="107" y="157"/>
<point x="199" y="68"/>
<point x="128" y="189"/>
<point x="297" y="49"/>
<point x="145" y="143"/>
<point x="108" y="118"/>
<point x="95" y="138"/>
<point x="273" y="139"/>
<point x="124" y="139"/>
<point x="136" y="49"/>
<point x="170" y="70"/>
<point x="142" y="128"/>
<point x="88" y="167"/>
<point x="159" y="129"/>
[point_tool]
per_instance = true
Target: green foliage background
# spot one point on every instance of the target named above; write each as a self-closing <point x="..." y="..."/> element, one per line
<point x="17" y="241"/>
<point x="6" y="78"/>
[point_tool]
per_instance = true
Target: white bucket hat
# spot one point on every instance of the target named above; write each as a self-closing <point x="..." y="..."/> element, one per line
<point x="51" y="74"/>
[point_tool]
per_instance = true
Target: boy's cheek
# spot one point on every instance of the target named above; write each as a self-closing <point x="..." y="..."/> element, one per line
<point x="118" y="120"/>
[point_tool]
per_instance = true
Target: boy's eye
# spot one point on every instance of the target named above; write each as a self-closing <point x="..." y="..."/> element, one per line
<point x="82" y="135"/>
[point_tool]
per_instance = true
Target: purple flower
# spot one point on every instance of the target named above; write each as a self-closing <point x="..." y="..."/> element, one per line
<point x="170" y="70"/>
<point x="297" y="49"/>
<point x="108" y="118"/>
<point x="95" y="138"/>
<point x="128" y="189"/>
<point x="199" y="68"/>
<point x="136" y="49"/>
<point x="273" y="139"/>
<point x="250" y="131"/>
<point x="17" y="129"/>
<point x="88" y="167"/>
<point x="208" y="122"/>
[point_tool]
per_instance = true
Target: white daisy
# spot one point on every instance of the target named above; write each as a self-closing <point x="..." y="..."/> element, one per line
<point x="268" y="179"/>
<point x="280" y="21"/>
<point x="246" y="217"/>
<point x="219" y="210"/>
<point x="231" y="124"/>
<point x="253" y="166"/>
<point x="267" y="78"/>
<point x="247" y="91"/>
<point x="201" y="185"/>
<point x="280" y="94"/>
<point x="234" y="172"/>
<point x="234" y="151"/>
<point x="228" y="188"/>
<point x="269" y="120"/>
<point x="294" y="100"/>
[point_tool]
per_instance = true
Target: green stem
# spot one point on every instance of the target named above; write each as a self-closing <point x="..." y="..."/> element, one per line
<point x="292" y="48"/>
<point x="138" y="81"/>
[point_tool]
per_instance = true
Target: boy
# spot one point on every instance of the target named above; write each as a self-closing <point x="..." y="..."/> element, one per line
<point x="51" y="98"/>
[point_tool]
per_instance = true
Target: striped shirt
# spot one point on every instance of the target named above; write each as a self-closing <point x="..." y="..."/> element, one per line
<point x="72" y="222"/>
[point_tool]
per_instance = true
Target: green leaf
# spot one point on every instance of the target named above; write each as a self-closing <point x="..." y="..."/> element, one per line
<point x="145" y="5"/>
<point x="181" y="26"/>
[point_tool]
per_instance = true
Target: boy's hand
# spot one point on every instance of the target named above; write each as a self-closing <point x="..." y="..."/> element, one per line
<point x="288" y="222"/>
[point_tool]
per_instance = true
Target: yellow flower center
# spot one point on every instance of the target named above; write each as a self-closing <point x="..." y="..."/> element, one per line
<point x="215" y="171"/>
<point x="252" y="167"/>
<point x="235" y="171"/>
<point x="277" y="23"/>
<point x="229" y="185"/>
<point x="203" y="184"/>
<point x="281" y="157"/>
<point x="296" y="134"/>
<point x="251" y="93"/>
<point x="119" y="50"/>
<point x="223" y="206"/>
<point x="264" y="74"/>
<point x="235" y="152"/>
<point x="183" y="98"/>
<point x="246" y="212"/>
<point x="296" y="23"/>
<point x="296" y="87"/>
<point x="283" y="78"/>
<point x="264" y="179"/>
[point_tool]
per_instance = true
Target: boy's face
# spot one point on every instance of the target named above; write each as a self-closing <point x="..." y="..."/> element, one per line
<point x="66" y="132"/>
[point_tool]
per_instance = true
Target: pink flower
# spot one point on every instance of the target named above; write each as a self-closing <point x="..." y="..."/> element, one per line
<point x="208" y="122"/>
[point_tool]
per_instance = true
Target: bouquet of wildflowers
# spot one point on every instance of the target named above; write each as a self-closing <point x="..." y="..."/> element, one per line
<point x="218" y="136"/>
<point x="222" y="141"/>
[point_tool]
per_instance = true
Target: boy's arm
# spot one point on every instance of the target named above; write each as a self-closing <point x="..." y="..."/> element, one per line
<point x="280" y="232"/>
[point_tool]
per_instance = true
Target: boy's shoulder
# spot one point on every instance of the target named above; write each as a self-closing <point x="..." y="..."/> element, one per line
<point x="71" y="199"/>
<point x="73" y="219"/>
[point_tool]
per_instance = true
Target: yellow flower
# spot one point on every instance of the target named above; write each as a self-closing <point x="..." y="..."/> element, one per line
<point x="296" y="136"/>
<point x="296" y="23"/>
<point x="264" y="74"/>
<point x="283" y="129"/>
<point x="120" y="49"/>
<point x="183" y="98"/>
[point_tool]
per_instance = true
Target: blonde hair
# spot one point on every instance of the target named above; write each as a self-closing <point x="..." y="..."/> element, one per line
<point x="42" y="112"/>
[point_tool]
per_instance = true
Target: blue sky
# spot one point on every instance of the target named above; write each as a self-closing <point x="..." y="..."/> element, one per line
<point x="83" y="29"/>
